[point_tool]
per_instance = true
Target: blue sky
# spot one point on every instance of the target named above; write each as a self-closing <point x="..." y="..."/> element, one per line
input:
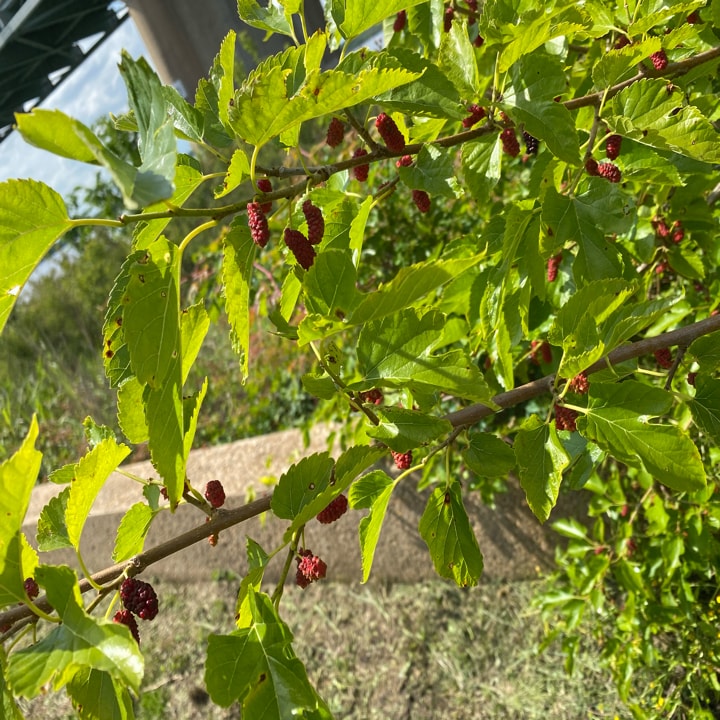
<point x="93" y="90"/>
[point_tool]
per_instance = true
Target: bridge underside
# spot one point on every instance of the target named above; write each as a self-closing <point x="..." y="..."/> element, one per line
<point x="42" y="42"/>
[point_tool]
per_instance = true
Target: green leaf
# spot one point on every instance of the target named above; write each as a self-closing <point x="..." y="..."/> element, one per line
<point x="409" y="285"/>
<point x="647" y="113"/>
<point x="270" y="18"/>
<point x="706" y="350"/>
<point x="541" y="460"/>
<point x="585" y="219"/>
<point x="32" y="218"/>
<point x="90" y="475"/>
<point x="96" y="695"/>
<point x="397" y="351"/>
<point x="156" y="135"/>
<point x="445" y="528"/>
<point x="617" y="420"/>
<point x="456" y="60"/>
<point x="238" y="257"/>
<point x="619" y="64"/>
<point x="353" y="17"/>
<point x="132" y="531"/>
<point x="402" y="429"/>
<point x="572" y="529"/>
<point x="432" y="171"/>
<point x="481" y="163"/>
<point x="329" y="285"/>
<point x="18" y="475"/>
<point x="643" y="164"/>
<point x="488" y="455"/>
<point x="257" y="666"/>
<point x="9" y="709"/>
<point x="194" y="324"/>
<point x="131" y="411"/>
<point x="238" y="171"/>
<point x="301" y="483"/>
<point x="263" y="108"/>
<point x="705" y="406"/>
<point x="372" y="490"/>
<point x="52" y="531"/>
<point x="222" y="74"/>
<point x="191" y="413"/>
<point x="431" y="95"/>
<point x="79" y="641"/>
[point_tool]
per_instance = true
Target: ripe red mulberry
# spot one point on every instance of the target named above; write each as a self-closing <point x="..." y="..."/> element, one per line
<point x="310" y="568"/>
<point x="664" y="358"/>
<point x="610" y="172"/>
<point x="659" y="60"/>
<point x="315" y="222"/>
<point x="125" y="617"/>
<point x="258" y="224"/>
<point x="334" y="511"/>
<point x="510" y="143"/>
<point x="477" y="113"/>
<point x="215" y="493"/>
<point x="390" y="133"/>
<point x="402" y="460"/>
<point x="421" y="200"/>
<point x="264" y="185"/>
<point x="335" y="133"/>
<point x="400" y="21"/>
<point x="543" y="349"/>
<point x="361" y="171"/>
<point x="139" y="597"/>
<point x="374" y="396"/>
<point x="612" y="146"/>
<point x="565" y="418"/>
<point x="300" y="247"/>
<point x="591" y="167"/>
<point x="404" y="161"/>
<point x="553" y="265"/>
<point x="31" y="588"/>
<point x="580" y="384"/>
<point x="678" y="232"/>
<point x="532" y="144"/>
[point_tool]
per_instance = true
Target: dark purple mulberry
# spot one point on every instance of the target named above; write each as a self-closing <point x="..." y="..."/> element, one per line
<point x="316" y="224"/>
<point x="390" y="133"/>
<point x="610" y="172"/>
<point x="361" y="171"/>
<point x="421" y="200"/>
<point x="612" y="146"/>
<point x="264" y="185"/>
<point x="300" y="247"/>
<point x="258" y="224"/>
<point x="335" y="133"/>
<point x="139" y="597"/>
<point x="510" y="143"/>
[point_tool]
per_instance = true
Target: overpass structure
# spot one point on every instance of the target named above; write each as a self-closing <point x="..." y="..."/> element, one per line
<point x="43" y="41"/>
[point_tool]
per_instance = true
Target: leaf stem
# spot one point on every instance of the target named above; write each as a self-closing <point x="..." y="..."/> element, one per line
<point x="194" y="233"/>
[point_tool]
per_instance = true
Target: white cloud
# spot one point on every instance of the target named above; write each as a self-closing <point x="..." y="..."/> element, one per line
<point x="93" y="90"/>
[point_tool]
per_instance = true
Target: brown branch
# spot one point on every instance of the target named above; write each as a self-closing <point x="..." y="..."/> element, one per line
<point x="671" y="70"/>
<point x="224" y="519"/>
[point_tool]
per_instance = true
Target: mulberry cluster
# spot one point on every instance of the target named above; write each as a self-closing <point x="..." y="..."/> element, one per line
<point x="402" y="460"/>
<point x="532" y="144"/>
<point x="421" y="200"/>
<point x="125" y="617"/>
<point x="310" y="568"/>
<point x="361" y="171"/>
<point x="258" y="224"/>
<point x="541" y="349"/>
<point x="553" y="265"/>
<point x="579" y="384"/>
<point x="390" y="133"/>
<point x="664" y="358"/>
<point x="264" y="185"/>
<point x="675" y="232"/>
<point x="659" y="60"/>
<point x="404" y="161"/>
<point x="612" y="146"/>
<point x="335" y="133"/>
<point x="448" y="18"/>
<point x="565" y="418"/>
<point x="31" y="588"/>
<point x="609" y="171"/>
<point x="400" y="21"/>
<point x="477" y="113"/>
<point x="510" y="143"/>
<point x="215" y="493"/>
<point x="316" y="224"/>
<point x="334" y="511"/>
<point x="300" y="247"/>
<point x="139" y="597"/>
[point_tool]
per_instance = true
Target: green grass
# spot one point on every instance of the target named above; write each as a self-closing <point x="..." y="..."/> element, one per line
<point x="415" y="652"/>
